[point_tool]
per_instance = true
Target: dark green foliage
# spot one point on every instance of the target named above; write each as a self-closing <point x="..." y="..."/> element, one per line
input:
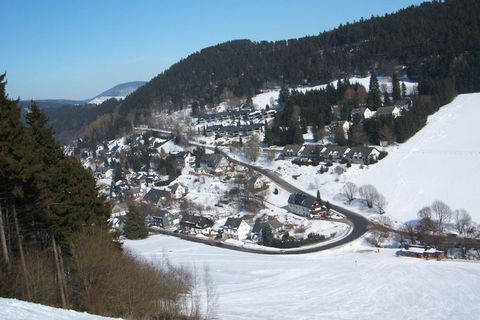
<point x="382" y="155"/>
<point x="118" y="172"/>
<point x="374" y="99"/>
<point x="396" y="94"/>
<point x="290" y="242"/>
<point x="135" y="227"/>
<point x="267" y="235"/>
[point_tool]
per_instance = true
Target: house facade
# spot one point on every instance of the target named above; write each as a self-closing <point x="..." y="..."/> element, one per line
<point x="157" y="197"/>
<point x="291" y="150"/>
<point x="178" y="191"/>
<point x="236" y="228"/>
<point x="196" y="224"/>
<point x="304" y="205"/>
<point x="392" y="111"/>
<point x="362" y="155"/>
<point x="163" y="219"/>
<point x="361" y="113"/>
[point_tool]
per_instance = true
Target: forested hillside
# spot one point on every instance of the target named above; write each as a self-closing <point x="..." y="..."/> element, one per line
<point x="438" y="42"/>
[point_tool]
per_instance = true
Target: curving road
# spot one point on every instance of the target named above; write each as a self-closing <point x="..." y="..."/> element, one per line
<point x="359" y="224"/>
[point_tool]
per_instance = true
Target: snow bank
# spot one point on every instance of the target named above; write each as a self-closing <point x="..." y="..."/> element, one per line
<point x="12" y="309"/>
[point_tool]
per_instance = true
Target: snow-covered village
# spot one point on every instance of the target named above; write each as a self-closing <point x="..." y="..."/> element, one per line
<point x="320" y="170"/>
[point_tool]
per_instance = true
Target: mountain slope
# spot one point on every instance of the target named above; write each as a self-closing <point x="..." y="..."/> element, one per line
<point x="118" y="92"/>
<point x="439" y="163"/>
<point x="438" y="42"/>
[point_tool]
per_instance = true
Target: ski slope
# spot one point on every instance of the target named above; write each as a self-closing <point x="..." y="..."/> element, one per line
<point x="353" y="282"/>
<point x="441" y="162"/>
<point x="12" y="309"/>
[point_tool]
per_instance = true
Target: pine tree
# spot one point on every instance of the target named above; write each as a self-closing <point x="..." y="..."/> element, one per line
<point x="267" y="235"/>
<point x="374" y="94"/>
<point x="134" y="227"/>
<point x="404" y="90"/>
<point x="319" y="198"/>
<point x="396" y="94"/>
<point x="386" y="98"/>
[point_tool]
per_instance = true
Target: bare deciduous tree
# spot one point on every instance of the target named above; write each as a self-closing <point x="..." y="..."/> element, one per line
<point x="380" y="203"/>
<point x="442" y="213"/>
<point x="425" y="213"/>
<point x="350" y="190"/>
<point x="463" y="221"/>
<point x="252" y="148"/>
<point x="368" y="192"/>
<point x="339" y="170"/>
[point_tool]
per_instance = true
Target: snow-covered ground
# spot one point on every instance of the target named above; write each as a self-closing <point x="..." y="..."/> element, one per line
<point x="12" y="309"/>
<point x="353" y="282"/>
<point x="382" y="81"/>
<point x="439" y="163"/>
<point x="102" y="99"/>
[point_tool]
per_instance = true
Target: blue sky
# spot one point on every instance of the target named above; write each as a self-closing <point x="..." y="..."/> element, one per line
<point x="75" y="49"/>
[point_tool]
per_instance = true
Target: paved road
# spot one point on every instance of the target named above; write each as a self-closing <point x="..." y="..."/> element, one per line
<point x="359" y="223"/>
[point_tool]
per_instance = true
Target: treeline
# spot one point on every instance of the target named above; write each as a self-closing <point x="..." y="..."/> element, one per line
<point x="437" y="41"/>
<point x="56" y="245"/>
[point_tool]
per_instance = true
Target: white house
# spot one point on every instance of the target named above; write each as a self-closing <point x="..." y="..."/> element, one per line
<point x="304" y="205"/>
<point x="257" y="182"/>
<point x="119" y="210"/>
<point x="291" y="150"/>
<point x="177" y="190"/>
<point x="196" y="224"/>
<point x="236" y="228"/>
<point x="362" y="154"/>
<point x="345" y="125"/>
<point x="392" y="111"/>
<point x="363" y="113"/>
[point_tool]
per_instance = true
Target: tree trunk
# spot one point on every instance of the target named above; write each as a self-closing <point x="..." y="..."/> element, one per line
<point x="61" y="286"/>
<point x="20" y="250"/>
<point x="3" y="239"/>
<point x="62" y="274"/>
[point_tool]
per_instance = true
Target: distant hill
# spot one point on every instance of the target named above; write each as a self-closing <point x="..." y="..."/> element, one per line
<point x="53" y="103"/>
<point x="118" y="92"/>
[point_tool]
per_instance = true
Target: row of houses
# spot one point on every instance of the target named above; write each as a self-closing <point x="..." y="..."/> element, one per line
<point x="237" y="228"/>
<point x="238" y="130"/>
<point x="330" y="152"/>
<point x="235" y="115"/>
<point x="388" y="111"/>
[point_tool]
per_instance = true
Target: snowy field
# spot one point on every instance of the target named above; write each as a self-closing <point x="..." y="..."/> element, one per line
<point x="12" y="309"/>
<point x="353" y="282"/>
<point x="439" y="163"/>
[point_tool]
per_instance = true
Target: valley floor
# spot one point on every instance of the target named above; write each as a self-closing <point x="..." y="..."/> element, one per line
<point x="351" y="282"/>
